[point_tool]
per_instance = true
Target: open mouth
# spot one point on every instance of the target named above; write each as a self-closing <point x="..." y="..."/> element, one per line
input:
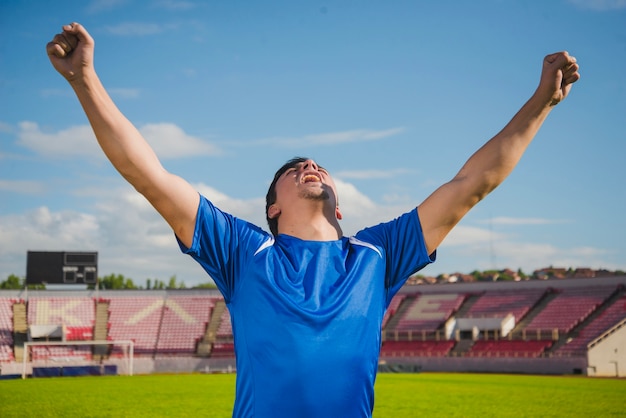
<point x="311" y="178"/>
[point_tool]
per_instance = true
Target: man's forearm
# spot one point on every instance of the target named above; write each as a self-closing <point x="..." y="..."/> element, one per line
<point x="495" y="160"/>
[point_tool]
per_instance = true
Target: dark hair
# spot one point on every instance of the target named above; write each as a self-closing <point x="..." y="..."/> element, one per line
<point x="270" y="198"/>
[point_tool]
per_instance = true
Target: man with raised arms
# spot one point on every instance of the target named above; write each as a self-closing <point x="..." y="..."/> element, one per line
<point x="306" y="302"/>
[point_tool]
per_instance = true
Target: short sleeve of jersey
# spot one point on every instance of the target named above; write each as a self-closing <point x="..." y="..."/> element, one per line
<point x="223" y="244"/>
<point x="402" y="241"/>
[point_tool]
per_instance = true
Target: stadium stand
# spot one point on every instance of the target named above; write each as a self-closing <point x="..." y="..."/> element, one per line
<point x="6" y="330"/>
<point x="171" y="325"/>
<point x="416" y="348"/>
<point x="136" y="318"/>
<point x="393" y="308"/>
<point x="569" y="308"/>
<point x="61" y="354"/>
<point x="223" y="345"/>
<point x="428" y="312"/>
<point x="502" y="302"/>
<point x="509" y="348"/>
<point x="184" y="321"/>
<point x="63" y="311"/>
<point x="73" y="315"/>
<point x="225" y="329"/>
<point x="613" y="314"/>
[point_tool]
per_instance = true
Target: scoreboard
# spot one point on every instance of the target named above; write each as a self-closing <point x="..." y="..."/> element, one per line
<point x="61" y="267"/>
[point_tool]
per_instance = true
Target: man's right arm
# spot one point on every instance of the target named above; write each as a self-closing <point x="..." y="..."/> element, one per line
<point x="71" y="54"/>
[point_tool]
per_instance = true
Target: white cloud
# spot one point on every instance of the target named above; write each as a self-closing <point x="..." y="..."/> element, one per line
<point x="175" y="4"/>
<point x="43" y="229"/>
<point x="599" y="5"/>
<point x="168" y="141"/>
<point x="360" y="211"/>
<point x="133" y="240"/>
<point x="118" y="93"/>
<point x="372" y="174"/>
<point x="97" y="6"/>
<point x="135" y="29"/>
<point x="73" y="141"/>
<point x="332" y="138"/>
<point x="57" y="93"/>
<point x="5" y="127"/>
<point x="22" y="186"/>
<point x="251" y="210"/>
<point x="124" y="93"/>
<point x="480" y="251"/>
<point x="504" y="220"/>
<point x="463" y="235"/>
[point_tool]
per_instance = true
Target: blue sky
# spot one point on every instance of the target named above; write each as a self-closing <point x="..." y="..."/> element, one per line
<point x="391" y="97"/>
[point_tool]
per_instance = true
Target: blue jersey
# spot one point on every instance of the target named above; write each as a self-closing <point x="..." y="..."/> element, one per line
<point x="306" y="315"/>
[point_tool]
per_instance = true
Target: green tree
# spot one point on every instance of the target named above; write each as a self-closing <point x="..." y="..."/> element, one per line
<point x="208" y="285"/>
<point x="173" y="284"/>
<point x="116" y="282"/>
<point x="12" y="282"/>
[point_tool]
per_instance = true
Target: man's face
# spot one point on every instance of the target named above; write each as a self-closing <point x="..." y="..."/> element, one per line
<point x="305" y="180"/>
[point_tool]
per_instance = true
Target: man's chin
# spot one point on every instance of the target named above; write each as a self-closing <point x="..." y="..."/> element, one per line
<point x="317" y="195"/>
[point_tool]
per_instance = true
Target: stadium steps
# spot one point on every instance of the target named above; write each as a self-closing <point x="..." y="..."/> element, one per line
<point x="619" y="292"/>
<point x="464" y="345"/>
<point x="392" y="324"/>
<point x="534" y="311"/>
<point x="160" y="324"/>
<point x="205" y="346"/>
<point x="469" y="301"/>
<point x="101" y="329"/>
<point x="20" y="330"/>
<point x="461" y="347"/>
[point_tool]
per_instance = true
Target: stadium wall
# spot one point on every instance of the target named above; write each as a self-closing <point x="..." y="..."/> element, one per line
<point x="547" y="365"/>
<point x="178" y="364"/>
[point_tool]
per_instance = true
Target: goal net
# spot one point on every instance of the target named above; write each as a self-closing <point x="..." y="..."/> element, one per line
<point x="77" y="358"/>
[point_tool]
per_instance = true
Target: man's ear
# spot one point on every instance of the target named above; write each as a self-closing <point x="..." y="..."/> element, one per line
<point x="338" y="213"/>
<point x="273" y="211"/>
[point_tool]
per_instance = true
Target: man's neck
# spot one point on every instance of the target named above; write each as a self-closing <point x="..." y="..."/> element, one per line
<point x="316" y="228"/>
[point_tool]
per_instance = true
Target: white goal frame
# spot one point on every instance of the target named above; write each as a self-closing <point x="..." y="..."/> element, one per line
<point x="128" y="353"/>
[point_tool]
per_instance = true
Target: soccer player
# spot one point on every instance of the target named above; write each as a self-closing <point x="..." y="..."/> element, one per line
<point x="306" y="302"/>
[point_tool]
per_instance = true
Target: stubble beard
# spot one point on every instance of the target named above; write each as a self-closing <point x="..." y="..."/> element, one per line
<point x="315" y="195"/>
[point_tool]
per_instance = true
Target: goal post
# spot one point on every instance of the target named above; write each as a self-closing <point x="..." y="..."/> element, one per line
<point x="76" y="354"/>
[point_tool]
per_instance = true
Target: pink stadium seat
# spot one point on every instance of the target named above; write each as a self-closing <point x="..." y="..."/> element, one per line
<point x="225" y="329"/>
<point x="607" y="319"/>
<point x="136" y="318"/>
<point x="223" y="349"/>
<point x="569" y="308"/>
<point x="429" y="311"/>
<point x="416" y="348"/>
<point x="509" y="348"/>
<point x="69" y="311"/>
<point x="393" y="307"/>
<point x="500" y="303"/>
<point x="6" y="329"/>
<point x="184" y="322"/>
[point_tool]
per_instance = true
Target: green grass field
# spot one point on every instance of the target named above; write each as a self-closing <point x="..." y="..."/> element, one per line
<point x="397" y="395"/>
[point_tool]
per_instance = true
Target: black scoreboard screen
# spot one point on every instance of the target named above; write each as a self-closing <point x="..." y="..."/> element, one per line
<point x="61" y="267"/>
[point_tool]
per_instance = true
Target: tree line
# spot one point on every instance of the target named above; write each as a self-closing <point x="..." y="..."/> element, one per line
<point x="109" y="282"/>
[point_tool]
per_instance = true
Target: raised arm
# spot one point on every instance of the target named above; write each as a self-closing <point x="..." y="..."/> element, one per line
<point x="71" y="53"/>
<point x="495" y="160"/>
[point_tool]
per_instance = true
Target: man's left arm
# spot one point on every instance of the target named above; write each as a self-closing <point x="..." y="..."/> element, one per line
<point x="494" y="161"/>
